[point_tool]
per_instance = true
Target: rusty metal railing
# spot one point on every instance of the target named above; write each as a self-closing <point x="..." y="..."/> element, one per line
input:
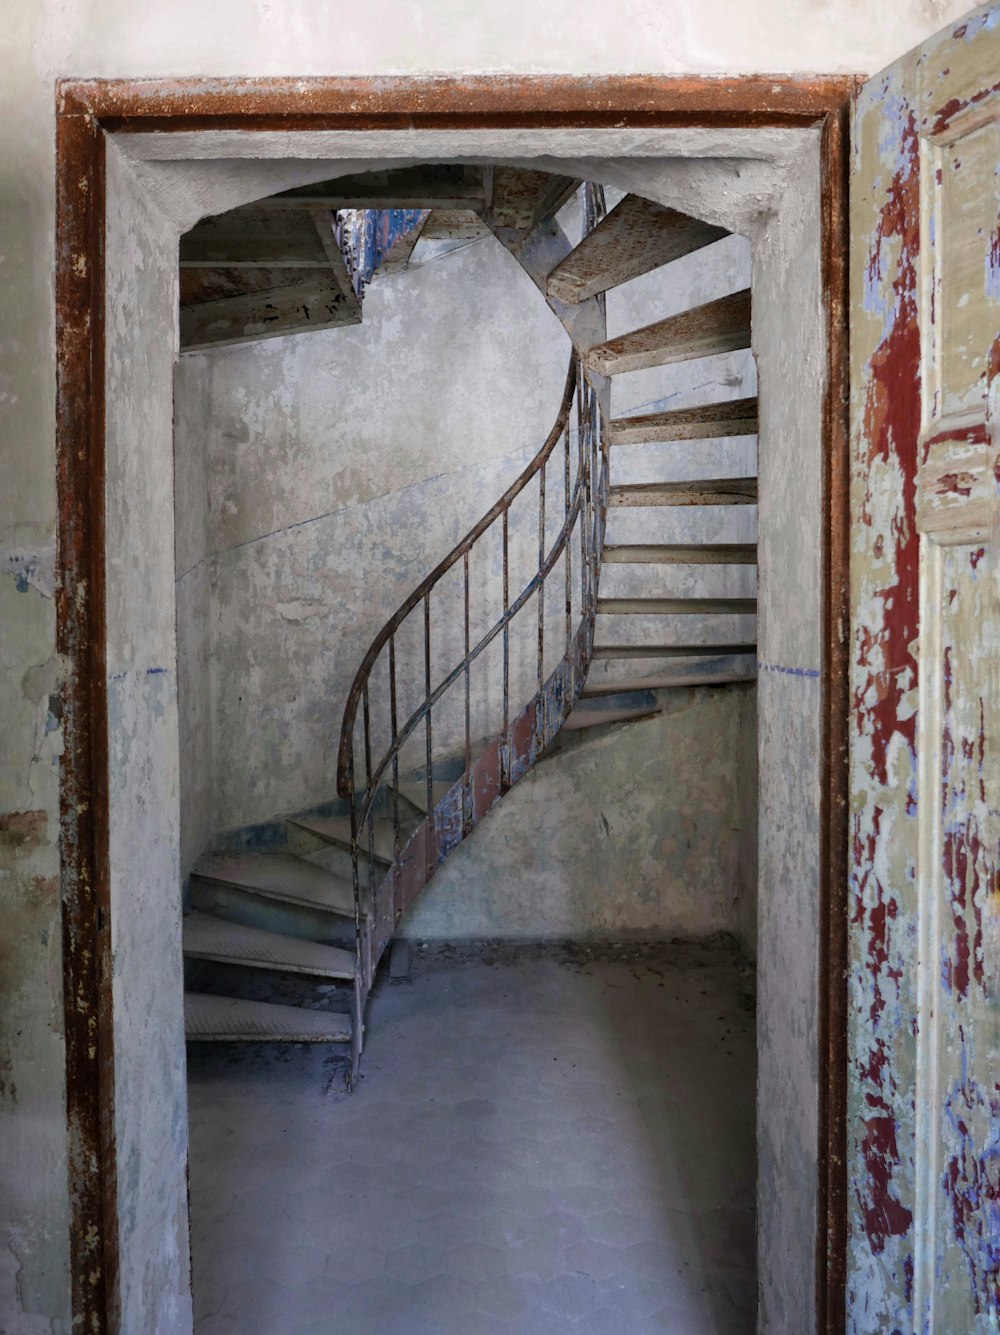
<point x="552" y="611"/>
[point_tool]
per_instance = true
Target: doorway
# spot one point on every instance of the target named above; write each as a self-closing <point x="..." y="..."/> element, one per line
<point x="157" y="185"/>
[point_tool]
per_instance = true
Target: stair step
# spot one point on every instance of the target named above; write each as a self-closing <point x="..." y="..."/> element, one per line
<point x="676" y="606"/>
<point x="414" y="791"/>
<point x="626" y="685"/>
<point x="734" y="417"/>
<point x="209" y="938"/>
<point x="624" y="651"/>
<point x="280" y="876"/>
<point x="598" y="718"/>
<point x="704" y="331"/>
<point x="230" y="1019"/>
<point x="712" y="491"/>
<point x="682" y="554"/>
<point x="336" y="830"/>
<point x="636" y="237"/>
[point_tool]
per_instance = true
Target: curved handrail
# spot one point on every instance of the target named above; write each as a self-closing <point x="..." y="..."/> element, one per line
<point x="512" y="745"/>
<point x="345" y="787"/>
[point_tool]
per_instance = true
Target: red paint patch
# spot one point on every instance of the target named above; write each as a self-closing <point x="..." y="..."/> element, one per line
<point x="955" y="484"/>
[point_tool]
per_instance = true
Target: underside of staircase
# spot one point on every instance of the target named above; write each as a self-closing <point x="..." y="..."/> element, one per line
<point x="317" y="904"/>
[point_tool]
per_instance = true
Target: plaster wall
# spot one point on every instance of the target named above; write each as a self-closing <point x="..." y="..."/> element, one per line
<point x="46" y="39"/>
<point x="336" y="469"/>
<point x="144" y="867"/>
<point x="625" y="833"/>
<point x="342" y="467"/>
<point x="193" y="594"/>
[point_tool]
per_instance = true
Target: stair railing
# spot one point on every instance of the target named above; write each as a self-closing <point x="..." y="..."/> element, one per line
<point x="377" y="726"/>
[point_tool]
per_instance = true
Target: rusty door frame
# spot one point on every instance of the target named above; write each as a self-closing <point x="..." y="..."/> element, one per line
<point x="87" y="111"/>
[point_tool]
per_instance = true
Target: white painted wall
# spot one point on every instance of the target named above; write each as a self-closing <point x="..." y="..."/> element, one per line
<point x="45" y="39"/>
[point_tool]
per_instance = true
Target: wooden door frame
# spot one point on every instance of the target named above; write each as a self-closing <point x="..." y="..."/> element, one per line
<point x="86" y="113"/>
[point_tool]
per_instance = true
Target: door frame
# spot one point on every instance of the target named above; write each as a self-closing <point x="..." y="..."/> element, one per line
<point x="87" y="111"/>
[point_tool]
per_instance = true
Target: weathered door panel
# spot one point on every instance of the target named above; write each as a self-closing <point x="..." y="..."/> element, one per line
<point x="924" y="1041"/>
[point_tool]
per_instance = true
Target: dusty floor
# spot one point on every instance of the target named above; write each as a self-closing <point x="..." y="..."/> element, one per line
<point x="543" y="1141"/>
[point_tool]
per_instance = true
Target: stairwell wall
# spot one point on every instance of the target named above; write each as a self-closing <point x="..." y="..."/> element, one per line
<point x="321" y="476"/>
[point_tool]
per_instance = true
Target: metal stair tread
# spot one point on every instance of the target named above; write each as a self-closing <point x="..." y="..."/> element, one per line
<point x="210" y="1018"/>
<point x="670" y="650"/>
<point x="280" y="876"/>
<point x="337" y="830"/>
<point x="595" y="718"/>
<point x="706" y="491"/>
<point x="636" y="237"/>
<point x="689" y="553"/>
<point x="209" y="938"/>
<point x="731" y="417"/>
<point x="627" y="685"/>
<point x="676" y="606"/>
<point x="703" y="331"/>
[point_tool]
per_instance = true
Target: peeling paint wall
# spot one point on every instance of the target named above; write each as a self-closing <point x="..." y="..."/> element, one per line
<point x="924" y="1008"/>
<point x="47" y="39"/>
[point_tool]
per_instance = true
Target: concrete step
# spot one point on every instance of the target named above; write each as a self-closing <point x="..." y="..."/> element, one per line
<point x="718" y="326"/>
<point x="676" y="606"/>
<point x="712" y="491"/>
<point x="211" y="1019"/>
<point x="710" y="421"/>
<point x="209" y="938"/>
<point x="636" y="237"/>
<point x="681" y="554"/>
<point x="280" y="877"/>
<point x="626" y="651"/>
<point x="336" y="830"/>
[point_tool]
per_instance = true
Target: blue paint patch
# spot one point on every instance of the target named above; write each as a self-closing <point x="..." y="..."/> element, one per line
<point x="787" y="671"/>
<point x="21" y="582"/>
<point x="150" y="672"/>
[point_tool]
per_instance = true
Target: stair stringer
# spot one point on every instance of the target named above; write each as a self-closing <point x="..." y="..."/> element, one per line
<point x="493" y="773"/>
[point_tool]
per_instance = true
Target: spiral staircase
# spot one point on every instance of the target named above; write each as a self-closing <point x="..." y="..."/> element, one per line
<point x="450" y="708"/>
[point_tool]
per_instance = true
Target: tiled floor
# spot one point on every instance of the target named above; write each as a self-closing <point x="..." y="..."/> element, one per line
<point x="543" y="1141"/>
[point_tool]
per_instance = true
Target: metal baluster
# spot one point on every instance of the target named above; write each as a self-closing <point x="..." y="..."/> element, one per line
<point x="369" y="799"/>
<point x="567" y="550"/>
<point x="466" y="788"/>
<point x="372" y="883"/>
<point x="505" y="764"/>
<point x="366" y="715"/>
<point x="427" y="701"/>
<point x="541" y="585"/>
<point x="583" y="445"/>
<point x="393" y="728"/>
<point x="354" y="860"/>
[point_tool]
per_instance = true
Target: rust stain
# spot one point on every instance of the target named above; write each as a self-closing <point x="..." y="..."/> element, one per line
<point x="20" y="829"/>
<point x="403" y="103"/>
